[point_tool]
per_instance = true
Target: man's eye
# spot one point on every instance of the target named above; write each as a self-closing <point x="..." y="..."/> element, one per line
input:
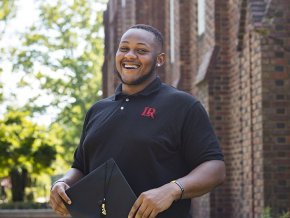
<point x="141" y="51"/>
<point x="123" y="49"/>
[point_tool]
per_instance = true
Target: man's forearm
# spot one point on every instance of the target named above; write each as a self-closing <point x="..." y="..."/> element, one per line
<point x="203" y="179"/>
<point x="72" y="176"/>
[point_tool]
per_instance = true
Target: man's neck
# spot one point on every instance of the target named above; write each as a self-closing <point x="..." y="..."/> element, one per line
<point x="133" y="89"/>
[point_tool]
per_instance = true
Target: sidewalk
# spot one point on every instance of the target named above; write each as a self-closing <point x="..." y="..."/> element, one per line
<point x="28" y="213"/>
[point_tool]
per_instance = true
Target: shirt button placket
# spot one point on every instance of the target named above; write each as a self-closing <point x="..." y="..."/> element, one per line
<point x="127" y="100"/>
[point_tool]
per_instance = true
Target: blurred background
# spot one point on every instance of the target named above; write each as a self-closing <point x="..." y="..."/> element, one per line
<point x="51" y="56"/>
<point x="57" y="58"/>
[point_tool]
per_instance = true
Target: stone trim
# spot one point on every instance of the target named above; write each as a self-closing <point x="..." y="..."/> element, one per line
<point x="28" y="213"/>
<point x="208" y="61"/>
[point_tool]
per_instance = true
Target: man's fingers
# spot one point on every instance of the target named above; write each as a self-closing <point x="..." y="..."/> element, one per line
<point x="62" y="213"/>
<point x="135" y="208"/>
<point x="58" y="206"/>
<point x="142" y="209"/>
<point x="132" y="212"/>
<point x="57" y="199"/>
<point x="63" y="195"/>
<point x="147" y="213"/>
<point x="153" y="214"/>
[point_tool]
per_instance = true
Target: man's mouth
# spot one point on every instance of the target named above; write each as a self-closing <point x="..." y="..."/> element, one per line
<point x="130" y="66"/>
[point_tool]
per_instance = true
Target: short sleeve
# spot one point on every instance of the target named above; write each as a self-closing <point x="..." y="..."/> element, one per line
<point x="199" y="141"/>
<point x="79" y="161"/>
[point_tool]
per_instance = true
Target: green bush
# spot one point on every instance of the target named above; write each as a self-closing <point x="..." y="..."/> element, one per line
<point x="267" y="213"/>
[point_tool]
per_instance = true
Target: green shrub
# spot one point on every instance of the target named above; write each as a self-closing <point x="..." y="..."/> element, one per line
<point x="285" y="215"/>
<point x="268" y="214"/>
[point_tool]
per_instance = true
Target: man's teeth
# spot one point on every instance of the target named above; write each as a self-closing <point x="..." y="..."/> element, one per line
<point x="127" y="66"/>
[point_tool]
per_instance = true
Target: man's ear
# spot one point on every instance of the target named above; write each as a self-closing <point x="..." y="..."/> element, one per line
<point x="160" y="59"/>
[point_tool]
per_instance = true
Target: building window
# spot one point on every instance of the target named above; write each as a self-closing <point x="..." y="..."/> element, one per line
<point x="200" y="16"/>
<point x="123" y="3"/>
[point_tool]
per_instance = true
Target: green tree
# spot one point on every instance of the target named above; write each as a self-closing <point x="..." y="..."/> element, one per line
<point x="7" y="12"/>
<point x="26" y="149"/>
<point x="63" y="51"/>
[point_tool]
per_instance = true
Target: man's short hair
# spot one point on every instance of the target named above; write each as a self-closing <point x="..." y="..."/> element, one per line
<point x="158" y="35"/>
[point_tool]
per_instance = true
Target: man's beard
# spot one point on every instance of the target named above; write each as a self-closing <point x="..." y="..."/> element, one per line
<point x="142" y="78"/>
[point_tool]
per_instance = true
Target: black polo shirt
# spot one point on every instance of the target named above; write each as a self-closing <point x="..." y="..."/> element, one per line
<point x="157" y="135"/>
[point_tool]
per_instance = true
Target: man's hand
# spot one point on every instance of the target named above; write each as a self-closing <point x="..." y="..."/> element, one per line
<point x="150" y="203"/>
<point x="57" y="196"/>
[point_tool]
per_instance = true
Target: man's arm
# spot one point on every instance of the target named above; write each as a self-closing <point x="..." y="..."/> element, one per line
<point x="57" y="192"/>
<point x="203" y="179"/>
<point x="199" y="181"/>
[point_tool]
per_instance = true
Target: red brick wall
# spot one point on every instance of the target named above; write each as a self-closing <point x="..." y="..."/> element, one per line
<point x="188" y="45"/>
<point x="219" y="99"/>
<point x="257" y="170"/>
<point x="276" y="106"/>
<point x="112" y="33"/>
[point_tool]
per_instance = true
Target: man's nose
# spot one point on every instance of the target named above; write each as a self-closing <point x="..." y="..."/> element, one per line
<point x="130" y="54"/>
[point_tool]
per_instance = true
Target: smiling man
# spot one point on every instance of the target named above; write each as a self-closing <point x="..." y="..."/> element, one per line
<point x="137" y="58"/>
<point x="160" y="137"/>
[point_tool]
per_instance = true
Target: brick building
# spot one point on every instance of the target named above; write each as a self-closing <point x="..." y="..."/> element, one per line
<point x="234" y="55"/>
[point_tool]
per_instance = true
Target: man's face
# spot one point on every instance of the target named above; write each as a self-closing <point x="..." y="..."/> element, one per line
<point x="136" y="56"/>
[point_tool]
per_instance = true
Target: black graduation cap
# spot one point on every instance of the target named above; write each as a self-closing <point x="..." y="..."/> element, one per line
<point x="104" y="192"/>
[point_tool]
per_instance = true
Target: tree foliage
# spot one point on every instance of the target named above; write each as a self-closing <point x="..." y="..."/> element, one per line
<point x="7" y="11"/>
<point x="27" y="149"/>
<point x="25" y="144"/>
<point x="63" y="52"/>
<point x="60" y="56"/>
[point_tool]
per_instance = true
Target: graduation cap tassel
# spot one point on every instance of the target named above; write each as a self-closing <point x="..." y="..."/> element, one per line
<point x="102" y="203"/>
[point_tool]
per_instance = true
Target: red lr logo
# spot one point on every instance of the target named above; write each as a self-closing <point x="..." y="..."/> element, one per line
<point x="149" y="112"/>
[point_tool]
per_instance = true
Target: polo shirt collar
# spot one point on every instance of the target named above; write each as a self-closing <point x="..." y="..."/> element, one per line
<point x="154" y="86"/>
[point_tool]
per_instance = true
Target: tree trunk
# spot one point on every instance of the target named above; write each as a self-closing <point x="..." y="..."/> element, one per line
<point x="18" y="181"/>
